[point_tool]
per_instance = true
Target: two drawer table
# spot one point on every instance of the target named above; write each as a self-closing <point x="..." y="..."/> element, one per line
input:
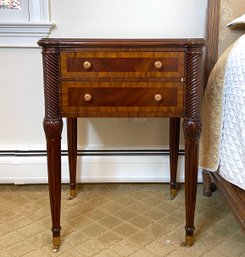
<point x="122" y="78"/>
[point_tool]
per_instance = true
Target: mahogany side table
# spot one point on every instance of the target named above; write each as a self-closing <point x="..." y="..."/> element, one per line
<point x="122" y="78"/>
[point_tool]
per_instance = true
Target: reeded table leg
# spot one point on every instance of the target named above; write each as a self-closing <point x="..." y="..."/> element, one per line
<point x="174" y="131"/>
<point x="72" y="153"/>
<point x="53" y="129"/>
<point x="192" y="129"/>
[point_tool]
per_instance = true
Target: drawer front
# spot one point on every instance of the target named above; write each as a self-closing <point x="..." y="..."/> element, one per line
<point x="122" y="99"/>
<point x="122" y="64"/>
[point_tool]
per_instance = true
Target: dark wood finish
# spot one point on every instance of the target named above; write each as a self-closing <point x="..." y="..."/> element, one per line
<point x="234" y="196"/>
<point x="121" y="64"/>
<point x="212" y="36"/>
<point x="172" y="91"/>
<point x="53" y="125"/>
<point x="207" y="181"/>
<point x="211" y="57"/>
<point x="122" y="99"/>
<point x="72" y="153"/>
<point x="53" y="130"/>
<point x="192" y="130"/>
<point x="174" y="134"/>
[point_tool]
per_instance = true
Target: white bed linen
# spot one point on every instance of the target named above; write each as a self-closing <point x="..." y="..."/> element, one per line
<point x="232" y="146"/>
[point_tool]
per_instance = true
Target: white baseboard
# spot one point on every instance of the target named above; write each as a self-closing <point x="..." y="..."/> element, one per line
<point x="92" y="169"/>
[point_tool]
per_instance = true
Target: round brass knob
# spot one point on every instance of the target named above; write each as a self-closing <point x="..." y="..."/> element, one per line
<point x="158" y="65"/>
<point x="87" y="65"/>
<point x="158" y="97"/>
<point x="87" y="97"/>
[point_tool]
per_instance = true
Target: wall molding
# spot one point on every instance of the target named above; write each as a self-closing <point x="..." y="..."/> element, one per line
<point x="23" y="34"/>
<point x="90" y="152"/>
<point x="103" y="166"/>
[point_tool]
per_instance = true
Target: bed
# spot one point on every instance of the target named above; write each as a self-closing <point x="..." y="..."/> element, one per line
<point x="222" y="142"/>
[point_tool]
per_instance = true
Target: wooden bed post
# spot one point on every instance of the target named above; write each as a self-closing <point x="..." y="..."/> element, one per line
<point x="211" y="57"/>
<point x="212" y="36"/>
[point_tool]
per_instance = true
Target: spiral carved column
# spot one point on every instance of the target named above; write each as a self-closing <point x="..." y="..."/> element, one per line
<point x="52" y="125"/>
<point x="192" y="130"/>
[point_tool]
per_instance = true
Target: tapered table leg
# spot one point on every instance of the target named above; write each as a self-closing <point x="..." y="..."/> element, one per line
<point x="53" y="129"/>
<point x="53" y="125"/>
<point x="72" y="153"/>
<point x="192" y="131"/>
<point x="174" y="131"/>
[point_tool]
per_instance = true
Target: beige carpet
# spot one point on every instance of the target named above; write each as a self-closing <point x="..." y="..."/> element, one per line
<point x="114" y="220"/>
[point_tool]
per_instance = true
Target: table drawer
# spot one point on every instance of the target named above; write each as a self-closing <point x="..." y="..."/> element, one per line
<point x="108" y="98"/>
<point x="122" y="64"/>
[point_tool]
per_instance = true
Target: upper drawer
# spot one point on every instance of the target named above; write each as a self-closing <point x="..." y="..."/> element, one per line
<point x="122" y="64"/>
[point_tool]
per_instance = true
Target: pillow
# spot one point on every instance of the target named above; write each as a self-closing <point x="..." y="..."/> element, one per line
<point x="238" y="23"/>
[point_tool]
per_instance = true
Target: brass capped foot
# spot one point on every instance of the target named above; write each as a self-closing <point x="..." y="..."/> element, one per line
<point x="72" y="194"/>
<point x="189" y="240"/>
<point x="55" y="249"/>
<point x="173" y="193"/>
<point x="56" y="244"/>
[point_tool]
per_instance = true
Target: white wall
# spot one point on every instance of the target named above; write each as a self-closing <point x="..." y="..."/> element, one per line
<point x="21" y="93"/>
<point x="129" y="18"/>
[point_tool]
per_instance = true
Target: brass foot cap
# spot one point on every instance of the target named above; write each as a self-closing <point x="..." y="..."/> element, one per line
<point x="189" y="240"/>
<point x="56" y="244"/>
<point x="55" y="249"/>
<point x="173" y="193"/>
<point x="72" y="194"/>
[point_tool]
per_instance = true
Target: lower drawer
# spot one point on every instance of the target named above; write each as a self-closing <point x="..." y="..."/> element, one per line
<point x="105" y="99"/>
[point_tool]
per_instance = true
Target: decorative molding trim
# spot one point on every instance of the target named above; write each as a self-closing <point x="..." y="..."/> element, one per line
<point x="23" y="34"/>
<point x="30" y="167"/>
<point x="91" y="152"/>
<point x="39" y="10"/>
<point x="26" y="33"/>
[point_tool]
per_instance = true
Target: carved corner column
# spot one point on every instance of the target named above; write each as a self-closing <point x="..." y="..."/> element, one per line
<point x="192" y="130"/>
<point x="53" y="125"/>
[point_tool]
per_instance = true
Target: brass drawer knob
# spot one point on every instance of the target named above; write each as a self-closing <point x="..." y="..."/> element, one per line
<point x="87" y="65"/>
<point x="87" y="97"/>
<point x="158" y="65"/>
<point x="158" y="97"/>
